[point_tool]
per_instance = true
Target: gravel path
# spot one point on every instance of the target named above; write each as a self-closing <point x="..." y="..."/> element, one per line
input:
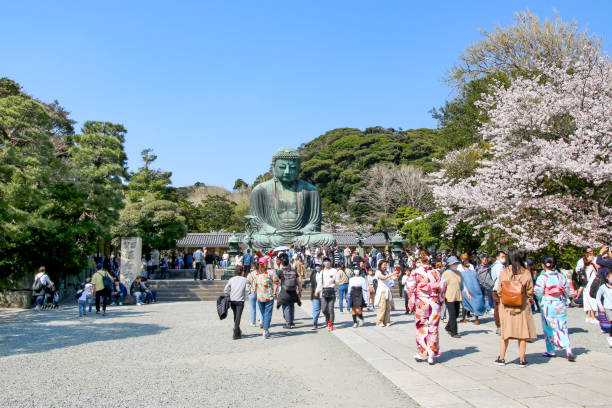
<point x="177" y="355"/>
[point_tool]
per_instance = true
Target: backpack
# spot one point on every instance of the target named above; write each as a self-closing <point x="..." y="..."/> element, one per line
<point x="78" y="294"/>
<point x="484" y="278"/>
<point x="290" y="279"/>
<point x="106" y="281"/>
<point x="37" y="286"/>
<point x="223" y="305"/>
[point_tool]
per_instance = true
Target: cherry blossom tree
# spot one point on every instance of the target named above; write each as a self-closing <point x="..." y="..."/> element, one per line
<point x="546" y="174"/>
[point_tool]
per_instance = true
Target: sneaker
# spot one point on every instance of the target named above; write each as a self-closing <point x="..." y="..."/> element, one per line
<point x="360" y="323"/>
<point x="418" y="358"/>
<point x="120" y="303"/>
<point x="431" y="361"/>
<point x="252" y="324"/>
<point x="292" y="326"/>
<point x="388" y="324"/>
<point x="498" y="332"/>
<point x="500" y="362"/>
<point x="587" y="320"/>
<point x="381" y="325"/>
<point x="523" y="364"/>
<point x="476" y="321"/>
<point x="354" y="325"/>
<point x="331" y="327"/>
<point x="571" y="357"/>
<point x="314" y="327"/>
<point x="462" y="321"/>
<point x="549" y="355"/>
<point x="261" y="325"/>
<point x="113" y="304"/>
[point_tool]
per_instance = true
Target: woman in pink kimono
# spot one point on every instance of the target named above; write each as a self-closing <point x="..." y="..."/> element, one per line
<point x="425" y="288"/>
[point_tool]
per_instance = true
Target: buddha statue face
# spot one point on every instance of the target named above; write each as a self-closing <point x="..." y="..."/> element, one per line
<point x="286" y="170"/>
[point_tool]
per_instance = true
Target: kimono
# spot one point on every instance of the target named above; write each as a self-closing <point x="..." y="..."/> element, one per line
<point x="552" y="291"/>
<point x="425" y="289"/>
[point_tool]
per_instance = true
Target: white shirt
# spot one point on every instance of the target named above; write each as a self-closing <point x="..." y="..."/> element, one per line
<point x="327" y="279"/>
<point x="495" y="270"/>
<point x="44" y="279"/>
<point x="359" y="282"/>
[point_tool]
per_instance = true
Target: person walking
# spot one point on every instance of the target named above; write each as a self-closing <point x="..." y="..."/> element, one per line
<point x="343" y="288"/>
<point x="198" y="256"/>
<point x="589" y="303"/>
<point x="425" y="290"/>
<point x="358" y="293"/>
<point x="40" y="287"/>
<point x="315" y="290"/>
<point x="253" y="309"/>
<point x="604" y="300"/>
<point x="102" y="284"/>
<point x="247" y="260"/>
<point x="236" y="288"/>
<point x="516" y="321"/>
<point x="384" y="297"/>
<point x="496" y="268"/>
<point x="453" y="296"/>
<point x="552" y="292"/>
<point x="266" y="283"/>
<point x="474" y="300"/>
<point x="290" y="291"/>
<point x="326" y="289"/>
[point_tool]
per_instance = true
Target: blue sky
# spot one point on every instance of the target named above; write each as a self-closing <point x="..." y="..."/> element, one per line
<point x="216" y="87"/>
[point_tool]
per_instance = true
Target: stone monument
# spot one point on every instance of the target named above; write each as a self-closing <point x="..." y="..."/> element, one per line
<point x="286" y="210"/>
<point x="131" y="256"/>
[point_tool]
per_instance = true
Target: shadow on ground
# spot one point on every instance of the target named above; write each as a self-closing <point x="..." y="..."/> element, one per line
<point x="37" y="332"/>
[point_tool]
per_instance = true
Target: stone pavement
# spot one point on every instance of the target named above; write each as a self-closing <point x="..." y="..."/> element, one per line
<point x="466" y="376"/>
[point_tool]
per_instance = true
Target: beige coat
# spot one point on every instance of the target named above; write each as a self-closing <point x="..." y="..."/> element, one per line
<point x="517" y="322"/>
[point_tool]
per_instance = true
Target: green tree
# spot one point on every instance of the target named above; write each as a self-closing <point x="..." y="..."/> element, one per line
<point x="98" y="165"/>
<point x="240" y="185"/>
<point x="158" y="222"/>
<point x="147" y="181"/>
<point x="216" y="213"/>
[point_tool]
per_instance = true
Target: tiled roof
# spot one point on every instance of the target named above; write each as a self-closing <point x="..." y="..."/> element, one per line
<point x="219" y="239"/>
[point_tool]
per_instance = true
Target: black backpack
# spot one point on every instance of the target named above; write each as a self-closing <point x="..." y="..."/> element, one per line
<point x="484" y="278"/>
<point x="597" y="282"/>
<point x="223" y="305"/>
<point x="290" y="279"/>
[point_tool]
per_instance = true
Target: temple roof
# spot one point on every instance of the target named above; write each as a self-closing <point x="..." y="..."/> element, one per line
<point x="219" y="239"/>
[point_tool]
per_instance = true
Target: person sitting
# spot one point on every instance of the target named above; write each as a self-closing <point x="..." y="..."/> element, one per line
<point x="150" y="295"/>
<point x="118" y="293"/>
<point x="137" y="290"/>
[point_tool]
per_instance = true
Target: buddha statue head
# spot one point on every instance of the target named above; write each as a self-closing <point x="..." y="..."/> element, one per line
<point x="286" y="165"/>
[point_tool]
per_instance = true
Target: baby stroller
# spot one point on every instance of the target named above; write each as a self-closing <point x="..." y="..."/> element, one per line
<point x="51" y="299"/>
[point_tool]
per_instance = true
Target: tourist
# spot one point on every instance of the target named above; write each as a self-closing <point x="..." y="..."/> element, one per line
<point x="384" y="297"/>
<point x="358" y="294"/>
<point x="81" y="297"/>
<point x="209" y="259"/>
<point x="290" y="291"/>
<point x="253" y="309"/>
<point x="100" y="290"/>
<point x="474" y="301"/>
<point x="180" y="263"/>
<point x="236" y="288"/>
<point x="552" y="291"/>
<point x="198" y="257"/>
<point x="343" y="288"/>
<point x="372" y="282"/>
<point x="347" y="257"/>
<point x="143" y="267"/>
<point x="266" y="283"/>
<point x="516" y="321"/>
<point x="40" y="287"/>
<point x="326" y="289"/>
<point x="137" y="291"/>
<point x="90" y="290"/>
<point x="405" y="278"/>
<point x="118" y="292"/>
<point x="496" y="268"/>
<point x="453" y="296"/>
<point x="425" y="289"/>
<point x="163" y="267"/>
<point x="589" y="271"/>
<point x="604" y="299"/>
<point x="247" y="260"/>
<point x="483" y="269"/>
<point x="315" y="277"/>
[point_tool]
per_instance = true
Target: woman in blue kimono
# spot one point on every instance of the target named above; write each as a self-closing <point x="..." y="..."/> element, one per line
<point x="552" y="291"/>
<point x="475" y="302"/>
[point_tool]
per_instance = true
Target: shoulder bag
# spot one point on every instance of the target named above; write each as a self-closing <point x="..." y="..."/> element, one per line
<point x="512" y="292"/>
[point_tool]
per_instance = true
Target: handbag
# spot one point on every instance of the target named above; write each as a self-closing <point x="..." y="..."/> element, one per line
<point x="329" y="293"/>
<point x="512" y="292"/>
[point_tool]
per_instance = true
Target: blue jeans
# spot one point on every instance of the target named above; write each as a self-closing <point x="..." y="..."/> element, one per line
<point x="343" y="294"/>
<point x="253" y="308"/>
<point x="488" y="295"/>
<point x="140" y="297"/>
<point x="316" y="311"/>
<point x="90" y="302"/>
<point x="82" y="306"/>
<point x="265" y="308"/>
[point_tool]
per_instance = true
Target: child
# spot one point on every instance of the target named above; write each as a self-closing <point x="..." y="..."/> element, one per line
<point x="81" y="296"/>
<point x="605" y="292"/>
<point x="371" y="289"/>
<point x="89" y="293"/>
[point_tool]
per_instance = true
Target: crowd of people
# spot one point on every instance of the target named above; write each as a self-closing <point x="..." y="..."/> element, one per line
<point x="436" y="287"/>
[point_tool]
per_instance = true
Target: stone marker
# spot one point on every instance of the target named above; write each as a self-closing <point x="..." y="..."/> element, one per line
<point x="131" y="255"/>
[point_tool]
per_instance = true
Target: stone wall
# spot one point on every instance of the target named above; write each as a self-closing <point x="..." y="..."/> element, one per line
<point x="16" y="298"/>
